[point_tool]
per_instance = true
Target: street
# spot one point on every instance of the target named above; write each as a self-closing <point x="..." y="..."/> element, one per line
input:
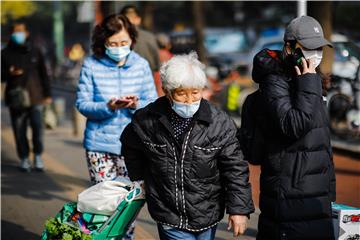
<point x="112" y="57"/>
<point x="28" y="199"/>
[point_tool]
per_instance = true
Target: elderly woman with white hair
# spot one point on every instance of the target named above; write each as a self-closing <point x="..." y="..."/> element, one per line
<point x="186" y="152"/>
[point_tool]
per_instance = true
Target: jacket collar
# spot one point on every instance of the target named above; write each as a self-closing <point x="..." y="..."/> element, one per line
<point x="162" y="107"/>
<point x="26" y="47"/>
<point x="131" y="59"/>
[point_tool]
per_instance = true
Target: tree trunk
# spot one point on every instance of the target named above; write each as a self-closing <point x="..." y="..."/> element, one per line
<point x="322" y="12"/>
<point x="199" y="23"/>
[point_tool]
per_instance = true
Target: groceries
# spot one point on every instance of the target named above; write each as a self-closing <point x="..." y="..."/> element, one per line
<point x="81" y="225"/>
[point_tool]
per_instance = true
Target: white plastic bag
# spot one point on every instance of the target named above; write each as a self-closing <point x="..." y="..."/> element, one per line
<point x="103" y="198"/>
<point x="50" y="119"/>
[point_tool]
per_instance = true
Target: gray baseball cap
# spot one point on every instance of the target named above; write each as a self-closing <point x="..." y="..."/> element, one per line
<point x="307" y="31"/>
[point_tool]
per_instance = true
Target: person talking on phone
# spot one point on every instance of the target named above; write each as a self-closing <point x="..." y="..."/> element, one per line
<point x="297" y="182"/>
<point x="114" y="83"/>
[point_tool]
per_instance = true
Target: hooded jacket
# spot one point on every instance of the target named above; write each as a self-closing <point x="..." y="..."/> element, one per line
<point x="188" y="184"/>
<point x="297" y="182"/>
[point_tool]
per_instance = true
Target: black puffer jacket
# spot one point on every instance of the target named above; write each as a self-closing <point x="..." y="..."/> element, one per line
<point x="188" y="186"/>
<point x="297" y="175"/>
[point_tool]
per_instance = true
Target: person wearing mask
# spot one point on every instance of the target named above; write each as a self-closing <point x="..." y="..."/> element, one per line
<point x="186" y="152"/>
<point x="146" y="45"/>
<point x="24" y="71"/>
<point x="113" y="84"/>
<point x="297" y="182"/>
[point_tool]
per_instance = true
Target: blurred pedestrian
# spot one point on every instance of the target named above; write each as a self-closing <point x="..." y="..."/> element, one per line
<point x="187" y="153"/>
<point x="27" y="80"/>
<point x="164" y="46"/>
<point x="77" y="52"/>
<point x="72" y="65"/>
<point x="146" y="45"/>
<point x="297" y="179"/>
<point x="114" y="83"/>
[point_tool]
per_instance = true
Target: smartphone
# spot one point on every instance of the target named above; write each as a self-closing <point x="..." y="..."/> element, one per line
<point x="122" y="101"/>
<point x="297" y="56"/>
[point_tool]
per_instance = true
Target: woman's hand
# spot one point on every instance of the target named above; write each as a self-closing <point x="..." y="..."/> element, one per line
<point x="238" y="223"/>
<point x="306" y="68"/>
<point x="134" y="101"/>
<point x="47" y="101"/>
<point x="130" y="101"/>
<point x="15" y="71"/>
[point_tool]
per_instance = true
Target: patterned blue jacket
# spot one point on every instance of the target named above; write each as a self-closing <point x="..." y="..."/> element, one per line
<point x="101" y="80"/>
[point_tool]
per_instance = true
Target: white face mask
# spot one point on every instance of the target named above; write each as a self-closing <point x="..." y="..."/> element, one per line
<point x="315" y="54"/>
<point x="118" y="53"/>
<point x="186" y="110"/>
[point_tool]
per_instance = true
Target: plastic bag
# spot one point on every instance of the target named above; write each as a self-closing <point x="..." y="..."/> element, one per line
<point x="103" y="198"/>
<point x="50" y="118"/>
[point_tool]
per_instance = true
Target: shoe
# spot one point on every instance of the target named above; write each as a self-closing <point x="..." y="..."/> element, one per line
<point x="25" y="165"/>
<point x="39" y="164"/>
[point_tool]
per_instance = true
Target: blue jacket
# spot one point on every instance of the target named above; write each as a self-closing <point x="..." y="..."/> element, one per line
<point x="101" y="80"/>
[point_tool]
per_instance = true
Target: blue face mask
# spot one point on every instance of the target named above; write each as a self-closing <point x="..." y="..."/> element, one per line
<point x="18" y="37"/>
<point x="186" y="110"/>
<point x="118" y="53"/>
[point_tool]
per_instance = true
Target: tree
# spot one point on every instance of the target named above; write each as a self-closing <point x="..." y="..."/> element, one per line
<point x="12" y="10"/>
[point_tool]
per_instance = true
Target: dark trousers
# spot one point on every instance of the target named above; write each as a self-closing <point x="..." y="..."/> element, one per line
<point x="171" y="233"/>
<point x="20" y="119"/>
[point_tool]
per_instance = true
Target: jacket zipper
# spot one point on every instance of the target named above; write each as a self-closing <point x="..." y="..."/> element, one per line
<point x="176" y="185"/>
<point x="182" y="192"/>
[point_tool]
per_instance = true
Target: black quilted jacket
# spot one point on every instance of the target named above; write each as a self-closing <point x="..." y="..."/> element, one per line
<point x="188" y="185"/>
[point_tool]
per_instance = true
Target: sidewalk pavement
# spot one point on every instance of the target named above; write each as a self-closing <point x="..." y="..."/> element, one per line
<point x="28" y="199"/>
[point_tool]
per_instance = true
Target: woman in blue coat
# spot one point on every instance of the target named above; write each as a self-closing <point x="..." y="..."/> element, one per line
<point x="113" y="84"/>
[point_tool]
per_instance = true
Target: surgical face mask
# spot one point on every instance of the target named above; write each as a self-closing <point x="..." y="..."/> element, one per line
<point x="118" y="53"/>
<point x="18" y="37"/>
<point x="186" y="110"/>
<point x="315" y="54"/>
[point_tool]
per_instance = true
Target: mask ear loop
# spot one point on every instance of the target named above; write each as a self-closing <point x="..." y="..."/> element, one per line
<point x="170" y="98"/>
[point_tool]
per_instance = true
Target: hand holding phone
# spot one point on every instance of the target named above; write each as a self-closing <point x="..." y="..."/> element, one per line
<point x="15" y="71"/>
<point x="297" y="58"/>
<point x="123" y="102"/>
<point x="308" y="66"/>
<point x="134" y="101"/>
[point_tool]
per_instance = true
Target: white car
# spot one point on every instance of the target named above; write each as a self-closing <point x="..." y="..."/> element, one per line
<point x="347" y="57"/>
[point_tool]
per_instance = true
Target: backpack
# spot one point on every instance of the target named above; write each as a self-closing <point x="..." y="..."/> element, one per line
<point x="250" y="135"/>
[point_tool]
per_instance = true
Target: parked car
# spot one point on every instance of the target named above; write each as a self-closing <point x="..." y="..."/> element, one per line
<point x="226" y="48"/>
<point x="347" y="57"/>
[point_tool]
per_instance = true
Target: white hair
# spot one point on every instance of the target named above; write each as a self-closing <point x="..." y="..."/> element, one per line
<point x="184" y="71"/>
